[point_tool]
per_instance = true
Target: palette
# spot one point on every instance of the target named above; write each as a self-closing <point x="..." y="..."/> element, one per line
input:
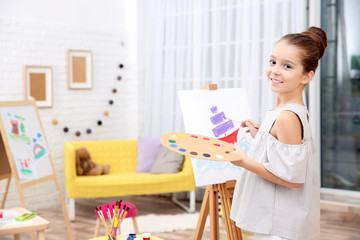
<point x="200" y="147"/>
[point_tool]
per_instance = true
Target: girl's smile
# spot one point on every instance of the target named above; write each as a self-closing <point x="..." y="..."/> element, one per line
<point x="275" y="81"/>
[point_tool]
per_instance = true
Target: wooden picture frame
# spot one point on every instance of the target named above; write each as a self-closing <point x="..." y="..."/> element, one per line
<point x="38" y="84"/>
<point x="79" y="69"/>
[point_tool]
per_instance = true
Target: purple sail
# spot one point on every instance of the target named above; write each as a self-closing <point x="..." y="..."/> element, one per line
<point x="214" y="109"/>
<point x="223" y="128"/>
<point x="218" y="118"/>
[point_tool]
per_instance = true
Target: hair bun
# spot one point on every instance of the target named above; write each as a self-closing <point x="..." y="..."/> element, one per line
<point x="319" y="37"/>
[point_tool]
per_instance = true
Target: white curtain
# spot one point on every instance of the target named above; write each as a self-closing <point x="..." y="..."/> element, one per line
<point x="191" y="43"/>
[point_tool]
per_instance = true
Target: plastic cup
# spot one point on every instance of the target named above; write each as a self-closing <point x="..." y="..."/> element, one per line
<point x="146" y="236"/>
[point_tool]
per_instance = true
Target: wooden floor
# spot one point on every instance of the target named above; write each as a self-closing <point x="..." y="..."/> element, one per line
<point x="334" y="224"/>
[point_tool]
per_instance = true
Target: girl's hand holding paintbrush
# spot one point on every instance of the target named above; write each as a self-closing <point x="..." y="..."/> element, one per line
<point x="253" y="127"/>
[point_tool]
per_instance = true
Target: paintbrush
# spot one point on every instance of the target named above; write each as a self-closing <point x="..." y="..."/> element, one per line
<point x="101" y="216"/>
<point x="113" y="217"/>
<point x="124" y="215"/>
<point x="108" y="213"/>
<point x="121" y="214"/>
<point x="238" y="121"/>
<point x="116" y="217"/>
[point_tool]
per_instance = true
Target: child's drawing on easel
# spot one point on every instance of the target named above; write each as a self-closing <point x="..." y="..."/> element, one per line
<point x="25" y="167"/>
<point x="37" y="146"/>
<point x="18" y="128"/>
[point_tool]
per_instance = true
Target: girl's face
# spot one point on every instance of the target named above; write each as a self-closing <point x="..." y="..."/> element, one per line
<point x="285" y="71"/>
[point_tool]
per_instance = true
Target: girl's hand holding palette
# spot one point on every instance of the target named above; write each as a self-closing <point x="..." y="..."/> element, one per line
<point x="198" y="146"/>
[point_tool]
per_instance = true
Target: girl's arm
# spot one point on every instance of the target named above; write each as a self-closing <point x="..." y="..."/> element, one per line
<point x="287" y="129"/>
<point x="259" y="169"/>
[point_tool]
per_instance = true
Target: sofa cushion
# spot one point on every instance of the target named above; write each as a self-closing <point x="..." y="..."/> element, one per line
<point x="147" y="150"/>
<point x="126" y="184"/>
<point x="167" y="161"/>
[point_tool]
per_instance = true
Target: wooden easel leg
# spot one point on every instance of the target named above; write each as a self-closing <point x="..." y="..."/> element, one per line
<point x="97" y="228"/>
<point x="226" y="212"/>
<point x="23" y="203"/>
<point x="8" y="177"/>
<point x="66" y="216"/>
<point x="228" y="188"/>
<point x="204" y="211"/>
<point x="214" y="213"/>
<point x="136" y="228"/>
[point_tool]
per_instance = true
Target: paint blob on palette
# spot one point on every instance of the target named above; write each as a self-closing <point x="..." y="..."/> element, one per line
<point x="200" y="147"/>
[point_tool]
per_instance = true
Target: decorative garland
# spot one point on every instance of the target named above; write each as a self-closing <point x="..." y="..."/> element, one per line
<point x="99" y="122"/>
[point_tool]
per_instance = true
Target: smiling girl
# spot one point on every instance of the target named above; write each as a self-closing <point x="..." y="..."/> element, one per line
<point x="277" y="196"/>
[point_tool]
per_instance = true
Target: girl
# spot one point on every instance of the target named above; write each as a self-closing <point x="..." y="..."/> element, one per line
<point x="277" y="196"/>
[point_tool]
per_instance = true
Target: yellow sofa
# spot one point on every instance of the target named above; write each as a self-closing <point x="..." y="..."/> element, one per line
<point x="122" y="179"/>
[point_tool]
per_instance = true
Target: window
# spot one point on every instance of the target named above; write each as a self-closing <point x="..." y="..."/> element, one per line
<point x="340" y="96"/>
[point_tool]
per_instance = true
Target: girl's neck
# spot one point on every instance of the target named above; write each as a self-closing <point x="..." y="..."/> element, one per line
<point x="282" y="101"/>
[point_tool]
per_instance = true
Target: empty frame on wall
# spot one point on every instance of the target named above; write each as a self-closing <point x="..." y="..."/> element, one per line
<point x="38" y="84"/>
<point x="79" y="65"/>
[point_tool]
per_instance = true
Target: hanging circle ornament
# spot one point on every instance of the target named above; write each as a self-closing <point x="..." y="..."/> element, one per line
<point x="106" y="113"/>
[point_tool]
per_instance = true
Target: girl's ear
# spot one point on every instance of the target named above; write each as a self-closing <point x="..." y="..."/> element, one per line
<point x="307" y="77"/>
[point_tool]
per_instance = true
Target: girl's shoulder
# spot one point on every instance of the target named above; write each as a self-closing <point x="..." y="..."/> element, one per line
<point x="290" y="124"/>
<point x="291" y="113"/>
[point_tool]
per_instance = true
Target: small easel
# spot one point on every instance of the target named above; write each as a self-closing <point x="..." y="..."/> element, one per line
<point x="7" y="162"/>
<point x="210" y="204"/>
<point x="5" y="172"/>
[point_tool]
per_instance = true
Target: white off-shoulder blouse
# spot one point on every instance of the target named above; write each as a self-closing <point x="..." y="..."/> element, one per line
<point x="264" y="207"/>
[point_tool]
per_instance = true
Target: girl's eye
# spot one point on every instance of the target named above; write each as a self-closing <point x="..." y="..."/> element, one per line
<point x="287" y="66"/>
<point x="272" y="62"/>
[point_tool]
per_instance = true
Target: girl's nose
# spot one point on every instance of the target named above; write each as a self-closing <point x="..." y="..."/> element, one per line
<point x="276" y="70"/>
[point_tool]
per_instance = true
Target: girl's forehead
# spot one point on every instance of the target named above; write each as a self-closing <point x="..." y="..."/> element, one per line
<point x="283" y="49"/>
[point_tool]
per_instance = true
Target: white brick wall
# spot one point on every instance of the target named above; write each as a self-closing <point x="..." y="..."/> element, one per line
<point x="38" y="43"/>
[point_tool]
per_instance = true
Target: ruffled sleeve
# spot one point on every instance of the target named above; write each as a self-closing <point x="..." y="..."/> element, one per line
<point x="288" y="162"/>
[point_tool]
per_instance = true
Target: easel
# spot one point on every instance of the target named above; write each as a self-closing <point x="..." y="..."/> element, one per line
<point x="210" y="204"/>
<point x="10" y="169"/>
<point x="5" y="171"/>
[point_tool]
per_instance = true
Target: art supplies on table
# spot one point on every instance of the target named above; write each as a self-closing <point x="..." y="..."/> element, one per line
<point x="115" y="219"/>
<point x="12" y="218"/>
<point x="200" y="147"/>
<point x="25" y="217"/>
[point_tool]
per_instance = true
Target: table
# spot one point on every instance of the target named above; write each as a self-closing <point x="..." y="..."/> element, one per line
<point x="105" y="238"/>
<point x="36" y="224"/>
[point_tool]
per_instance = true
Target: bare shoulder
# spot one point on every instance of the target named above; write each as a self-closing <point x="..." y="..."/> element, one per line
<point x="288" y="128"/>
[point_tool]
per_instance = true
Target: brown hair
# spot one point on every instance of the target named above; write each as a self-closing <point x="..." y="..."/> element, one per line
<point x="312" y="42"/>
